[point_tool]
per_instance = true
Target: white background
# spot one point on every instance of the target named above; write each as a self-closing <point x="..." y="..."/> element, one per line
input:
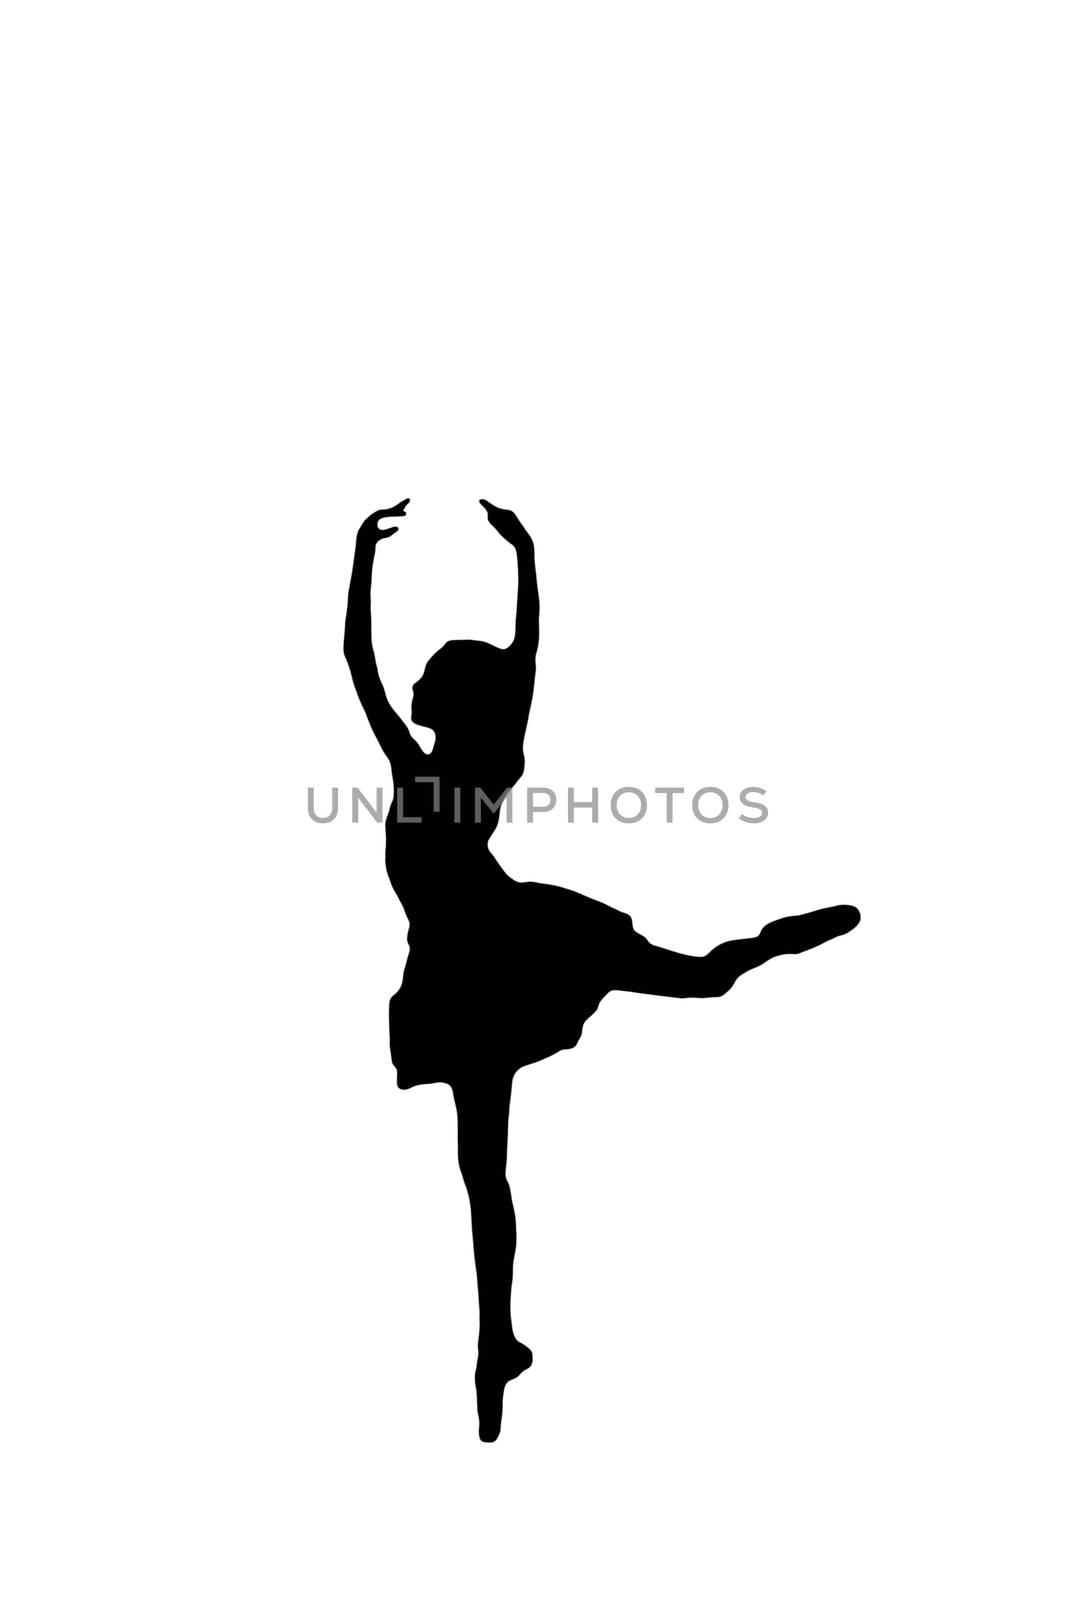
<point x="755" y="315"/>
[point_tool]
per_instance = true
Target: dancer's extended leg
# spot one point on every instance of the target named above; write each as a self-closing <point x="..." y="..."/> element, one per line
<point x="482" y="1117"/>
<point x="652" y="970"/>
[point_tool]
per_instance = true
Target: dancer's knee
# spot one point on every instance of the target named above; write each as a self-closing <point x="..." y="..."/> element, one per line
<point x="481" y="1173"/>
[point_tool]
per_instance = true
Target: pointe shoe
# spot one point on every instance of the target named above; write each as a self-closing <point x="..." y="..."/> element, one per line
<point x="495" y="1369"/>
<point x="786" y="937"/>
<point x="791" y="935"/>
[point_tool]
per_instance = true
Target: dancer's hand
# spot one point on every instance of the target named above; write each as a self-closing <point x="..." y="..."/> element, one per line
<point x="370" y="530"/>
<point x="506" y="523"/>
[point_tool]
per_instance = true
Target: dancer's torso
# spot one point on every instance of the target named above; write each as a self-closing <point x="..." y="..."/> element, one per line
<point x="437" y="837"/>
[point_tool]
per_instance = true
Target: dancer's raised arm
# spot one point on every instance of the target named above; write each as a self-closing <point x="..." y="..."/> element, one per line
<point x="389" y="729"/>
<point x="527" y="607"/>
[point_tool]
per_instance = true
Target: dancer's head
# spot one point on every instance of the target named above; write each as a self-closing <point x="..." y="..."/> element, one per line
<point x="462" y="688"/>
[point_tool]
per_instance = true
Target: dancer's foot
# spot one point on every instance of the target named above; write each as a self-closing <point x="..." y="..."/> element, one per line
<point x="791" y="935"/>
<point x="788" y="936"/>
<point x="497" y="1365"/>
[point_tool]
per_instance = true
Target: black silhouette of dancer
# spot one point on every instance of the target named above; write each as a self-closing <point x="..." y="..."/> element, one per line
<point x="500" y="973"/>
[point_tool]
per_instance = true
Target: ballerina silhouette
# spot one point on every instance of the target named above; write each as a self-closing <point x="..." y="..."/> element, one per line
<point x="500" y="973"/>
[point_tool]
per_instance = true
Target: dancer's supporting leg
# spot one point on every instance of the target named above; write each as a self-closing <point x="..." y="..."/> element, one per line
<point x="482" y="1117"/>
<point x="652" y="970"/>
